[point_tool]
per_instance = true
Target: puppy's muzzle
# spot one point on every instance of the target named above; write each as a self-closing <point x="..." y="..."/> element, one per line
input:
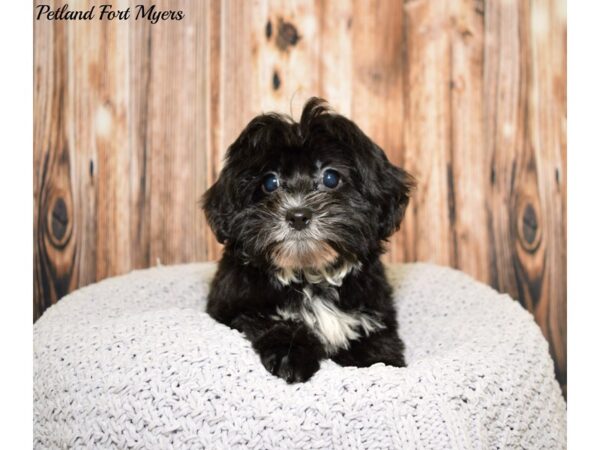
<point x="298" y="218"/>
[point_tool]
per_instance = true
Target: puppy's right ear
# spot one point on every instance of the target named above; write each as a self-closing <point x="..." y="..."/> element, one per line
<point x="218" y="209"/>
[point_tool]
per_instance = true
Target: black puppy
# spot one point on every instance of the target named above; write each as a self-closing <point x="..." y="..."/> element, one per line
<point x="303" y="210"/>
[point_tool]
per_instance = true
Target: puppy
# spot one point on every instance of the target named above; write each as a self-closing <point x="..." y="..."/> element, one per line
<point x="303" y="210"/>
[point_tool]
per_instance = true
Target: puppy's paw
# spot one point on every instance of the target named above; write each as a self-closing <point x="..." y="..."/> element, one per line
<point x="291" y="353"/>
<point x="395" y="360"/>
<point x="384" y="347"/>
<point x="294" y="366"/>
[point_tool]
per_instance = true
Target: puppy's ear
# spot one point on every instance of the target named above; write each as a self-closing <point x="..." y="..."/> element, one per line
<point x="396" y="186"/>
<point x="218" y="208"/>
<point x="388" y="187"/>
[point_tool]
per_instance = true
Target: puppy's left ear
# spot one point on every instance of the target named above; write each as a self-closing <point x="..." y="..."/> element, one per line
<point x="396" y="187"/>
<point x="389" y="187"/>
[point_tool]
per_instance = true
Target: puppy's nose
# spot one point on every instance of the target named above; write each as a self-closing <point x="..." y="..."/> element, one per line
<point x="299" y="218"/>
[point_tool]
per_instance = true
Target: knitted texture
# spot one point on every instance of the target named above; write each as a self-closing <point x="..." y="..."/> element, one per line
<point x="135" y="362"/>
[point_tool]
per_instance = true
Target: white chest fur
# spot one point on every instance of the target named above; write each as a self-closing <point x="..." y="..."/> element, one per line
<point x="334" y="327"/>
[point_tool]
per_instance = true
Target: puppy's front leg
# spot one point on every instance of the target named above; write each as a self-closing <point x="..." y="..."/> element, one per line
<point x="287" y="349"/>
<point x="384" y="346"/>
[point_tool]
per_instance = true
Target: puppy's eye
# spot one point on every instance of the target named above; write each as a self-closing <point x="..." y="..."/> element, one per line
<point x="331" y="178"/>
<point x="270" y="183"/>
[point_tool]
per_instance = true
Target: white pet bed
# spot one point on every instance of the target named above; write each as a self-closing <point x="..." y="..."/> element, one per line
<point x="135" y="362"/>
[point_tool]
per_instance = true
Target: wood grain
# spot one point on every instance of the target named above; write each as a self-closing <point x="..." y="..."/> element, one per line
<point x="546" y="135"/>
<point x="55" y="233"/>
<point x="377" y="83"/>
<point x="132" y="121"/>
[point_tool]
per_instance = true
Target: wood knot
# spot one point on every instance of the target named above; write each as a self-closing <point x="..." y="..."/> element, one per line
<point x="276" y="80"/>
<point x="58" y="222"/>
<point x="529" y="228"/>
<point x="287" y="35"/>
<point x="530" y="224"/>
<point x="269" y="29"/>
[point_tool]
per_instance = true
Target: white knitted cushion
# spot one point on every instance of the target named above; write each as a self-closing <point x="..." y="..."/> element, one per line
<point x="135" y="362"/>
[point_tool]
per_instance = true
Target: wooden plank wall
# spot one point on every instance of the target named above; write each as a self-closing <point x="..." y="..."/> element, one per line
<point x="132" y="121"/>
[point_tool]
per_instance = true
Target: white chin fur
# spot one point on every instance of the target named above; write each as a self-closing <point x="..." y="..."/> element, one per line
<point x="332" y="274"/>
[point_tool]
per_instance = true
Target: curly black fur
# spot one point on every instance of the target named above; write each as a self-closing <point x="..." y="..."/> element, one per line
<point x="304" y="295"/>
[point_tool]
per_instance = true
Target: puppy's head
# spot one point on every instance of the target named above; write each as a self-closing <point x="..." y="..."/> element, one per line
<point x="306" y="195"/>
